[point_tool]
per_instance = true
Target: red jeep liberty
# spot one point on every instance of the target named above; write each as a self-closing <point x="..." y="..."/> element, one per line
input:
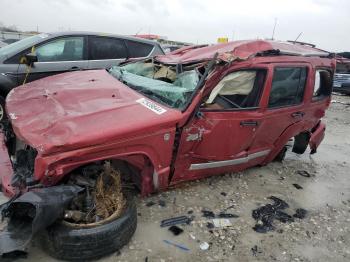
<point x="195" y="112"/>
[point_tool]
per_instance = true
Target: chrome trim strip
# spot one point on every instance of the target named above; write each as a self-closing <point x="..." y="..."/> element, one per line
<point x="229" y="162"/>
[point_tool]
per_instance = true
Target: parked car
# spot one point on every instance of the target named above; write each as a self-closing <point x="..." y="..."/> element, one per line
<point x="10" y="40"/>
<point x="341" y="82"/>
<point x="194" y="113"/>
<point x="170" y="48"/>
<point x="2" y="44"/>
<point x="43" y="55"/>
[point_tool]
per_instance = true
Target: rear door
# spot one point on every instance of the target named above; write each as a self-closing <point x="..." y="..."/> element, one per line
<point x="55" y="56"/>
<point x="284" y="105"/>
<point x="105" y="52"/>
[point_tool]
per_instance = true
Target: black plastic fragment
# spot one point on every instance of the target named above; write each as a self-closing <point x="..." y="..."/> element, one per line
<point x="300" y="213"/>
<point x="176" y="230"/>
<point x="297" y="186"/>
<point x="162" y="203"/>
<point x="265" y="215"/>
<point x="223" y="193"/>
<point x="175" y="221"/>
<point x="150" y="203"/>
<point x="208" y="214"/>
<point x="32" y="212"/>
<point x="227" y="215"/>
<point x="303" y="173"/>
<point x="210" y="225"/>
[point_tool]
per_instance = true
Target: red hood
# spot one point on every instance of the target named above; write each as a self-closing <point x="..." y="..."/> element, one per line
<point x="79" y="109"/>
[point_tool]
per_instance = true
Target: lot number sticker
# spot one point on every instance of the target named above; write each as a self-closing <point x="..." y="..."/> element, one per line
<point x="150" y="105"/>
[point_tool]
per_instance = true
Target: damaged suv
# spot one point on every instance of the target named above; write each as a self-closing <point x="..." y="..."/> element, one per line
<point x="78" y="138"/>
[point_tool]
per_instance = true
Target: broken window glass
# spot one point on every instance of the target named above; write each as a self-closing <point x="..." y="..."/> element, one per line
<point x="158" y="82"/>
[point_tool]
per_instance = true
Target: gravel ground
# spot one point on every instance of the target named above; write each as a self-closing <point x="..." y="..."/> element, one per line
<point x="323" y="235"/>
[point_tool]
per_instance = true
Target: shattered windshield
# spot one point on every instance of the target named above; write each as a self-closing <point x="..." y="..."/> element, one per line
<point x="158" y="82"/>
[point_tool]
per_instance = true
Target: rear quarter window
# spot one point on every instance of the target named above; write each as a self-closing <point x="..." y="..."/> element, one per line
<point x="137" y="49"/>
<point x="323" y="84"/>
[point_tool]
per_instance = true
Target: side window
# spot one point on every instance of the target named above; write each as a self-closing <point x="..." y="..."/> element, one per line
<point x="288" y="86"/>
<point x="240" y="89"/>
<point x="106" y="48"/>
<point x="137" y="49"/>
<point x="323" y="85"/>
<point x="62" y="49"/>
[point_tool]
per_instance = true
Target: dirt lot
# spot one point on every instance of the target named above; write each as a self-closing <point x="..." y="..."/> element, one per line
<point x="324" y="235"/>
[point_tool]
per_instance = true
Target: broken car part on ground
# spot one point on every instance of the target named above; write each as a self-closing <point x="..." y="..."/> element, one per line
<point x="195" y="112"/>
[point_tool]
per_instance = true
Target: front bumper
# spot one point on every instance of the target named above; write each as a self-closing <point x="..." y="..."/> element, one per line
<point x="6" y="169"/>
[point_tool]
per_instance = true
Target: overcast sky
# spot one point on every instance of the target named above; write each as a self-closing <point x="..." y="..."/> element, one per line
<point x="325" y="23"/>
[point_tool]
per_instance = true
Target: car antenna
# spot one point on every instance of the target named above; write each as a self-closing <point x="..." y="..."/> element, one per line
<point x="298" y="37"/>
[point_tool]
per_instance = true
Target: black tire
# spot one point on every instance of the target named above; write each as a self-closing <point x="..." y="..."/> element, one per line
<point x="67" y="242"/>
<point x="3" y="115"/>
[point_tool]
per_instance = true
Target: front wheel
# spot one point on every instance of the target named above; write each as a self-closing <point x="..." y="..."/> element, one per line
<point x="3" y="115"/>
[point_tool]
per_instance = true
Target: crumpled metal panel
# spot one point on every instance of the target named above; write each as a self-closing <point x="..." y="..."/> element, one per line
<point x="236" y="50"/>
<point x="32" y="212"/>
<point x="60" y="113"/>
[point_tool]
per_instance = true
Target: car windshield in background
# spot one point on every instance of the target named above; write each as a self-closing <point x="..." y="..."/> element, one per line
<point x="158" y="82"/>
<point x="24" y="43"/>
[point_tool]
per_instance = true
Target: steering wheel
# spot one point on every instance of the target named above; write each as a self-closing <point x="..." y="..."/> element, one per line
<point x="228" y="101"/>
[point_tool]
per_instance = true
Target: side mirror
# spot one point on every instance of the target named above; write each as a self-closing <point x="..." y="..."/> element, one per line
<point x="29" y="59"/>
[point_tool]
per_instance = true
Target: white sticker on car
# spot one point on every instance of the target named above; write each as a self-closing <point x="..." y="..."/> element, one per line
<point x="152" y="106"/>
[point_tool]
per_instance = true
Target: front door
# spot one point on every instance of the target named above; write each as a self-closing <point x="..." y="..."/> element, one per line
<point x="219" y="138"/>
<point x="56" y="56"/>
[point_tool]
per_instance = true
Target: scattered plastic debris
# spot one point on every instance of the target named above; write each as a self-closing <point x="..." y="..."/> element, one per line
<point x="300" y="213"/>
<point x="150" y="203"/>
<point x="210" y="225"/>
<point x="162" y="203"/>
<point x="297" y="186"/>
<point x="227" y="215"/>
<point x="222" y="222"/>
<point x="176" y="230"/>
<point x="208" y="214"/>
<point x="175" y="221"/>
<point x="255" y="250"/>
<point x="204" y="246"/>
<point x="181" y="247"/>
<point x="266" y="214"/>
<point x="303" y="173"/>
<point x="192" y="236"/>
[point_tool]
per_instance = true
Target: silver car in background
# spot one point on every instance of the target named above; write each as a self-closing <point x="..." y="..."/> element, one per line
<point x="48" y="54"/>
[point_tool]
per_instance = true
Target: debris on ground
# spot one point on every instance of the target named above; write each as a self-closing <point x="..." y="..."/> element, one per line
<point x="175" y="230"/>
<point x="161" y="203"/>
<point x="208" y="214"/>
<point x="300" y="213"/>
<point x="227" y="215"/>
<point x="222" y="222"/>
<point x="204" y="246"/>
<point x="255" y="250"/>
<point x="181" y="247"/>
<point x="150" y="203"/>
<point x="303" y="173"/>
<point x="265" y="215"/>
<point x="210" y="225"/>
<point x="175" y="221"/>
<point x="297" y="186"/>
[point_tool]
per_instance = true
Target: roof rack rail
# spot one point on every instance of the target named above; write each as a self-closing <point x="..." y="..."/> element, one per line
<point x="301" y="43"/>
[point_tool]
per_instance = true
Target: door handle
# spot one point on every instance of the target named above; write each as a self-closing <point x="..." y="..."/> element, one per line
<point x="74" y="68"/>
<point x="297" y="114"/>
<point x="249" y="123"/>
